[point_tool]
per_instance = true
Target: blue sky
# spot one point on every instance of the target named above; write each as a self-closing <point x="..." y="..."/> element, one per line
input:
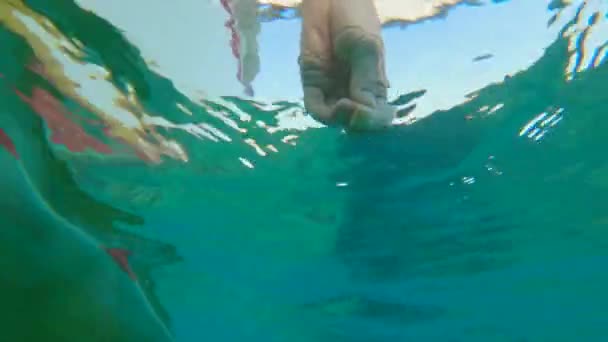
<point x="188" y="40"/>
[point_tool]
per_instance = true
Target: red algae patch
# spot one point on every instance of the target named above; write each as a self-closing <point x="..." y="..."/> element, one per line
<point x="7" y="143"/>
<point x="121" y="257"/>
<point x="64" y="131"/>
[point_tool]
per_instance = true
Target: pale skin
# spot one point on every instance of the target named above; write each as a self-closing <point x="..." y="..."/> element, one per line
<point x="342" y="65"/>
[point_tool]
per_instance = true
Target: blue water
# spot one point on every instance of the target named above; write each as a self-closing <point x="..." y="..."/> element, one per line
<point x="463" y="226"/>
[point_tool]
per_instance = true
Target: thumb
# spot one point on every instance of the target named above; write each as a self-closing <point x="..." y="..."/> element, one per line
<point x="367" y="82"/>
<point x="364" y="53"/>
<point x="366" y="118"/>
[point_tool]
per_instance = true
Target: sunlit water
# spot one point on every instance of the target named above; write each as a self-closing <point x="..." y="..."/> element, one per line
<point x="244" y="220"/>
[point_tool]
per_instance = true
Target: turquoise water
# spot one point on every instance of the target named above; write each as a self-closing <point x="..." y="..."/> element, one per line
<point x="467" y="225"/>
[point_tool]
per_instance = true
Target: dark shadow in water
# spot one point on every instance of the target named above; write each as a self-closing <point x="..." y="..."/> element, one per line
<point x="54" y="180"/>
<point x="373" y="317"/>
<point x="374" y="308"/>
<point x="405" y="221"/>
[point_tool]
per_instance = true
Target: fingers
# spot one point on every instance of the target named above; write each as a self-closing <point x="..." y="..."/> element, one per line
<point x="343" y="111"/>
<point x="328" y="112"/>
<point x="315" y="83"/>
<point x="364" y="53"/>
<point x="324" y="86"/>
<point x="313" y="73"/>
<point x="316" y="105"/>
<point x="365" y="118"/>
<point x="315" y="59"/>
<point x="342" y="64"/>
<point x="365" y="107"/>
<point x="365" y="85"/>
<point x="356" y="33"/>
<point x="357" y="42"/>
<point x="315" y="37"/>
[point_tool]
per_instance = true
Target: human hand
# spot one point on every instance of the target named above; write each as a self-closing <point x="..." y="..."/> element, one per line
<point x="342" y="64"/>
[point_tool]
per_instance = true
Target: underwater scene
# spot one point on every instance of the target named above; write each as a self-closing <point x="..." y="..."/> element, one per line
<point x="163" y="181"/>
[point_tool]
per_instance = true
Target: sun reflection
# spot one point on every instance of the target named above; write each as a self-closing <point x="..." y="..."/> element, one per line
<point x="540" y="125"/>
<point x="587" y="35"/>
